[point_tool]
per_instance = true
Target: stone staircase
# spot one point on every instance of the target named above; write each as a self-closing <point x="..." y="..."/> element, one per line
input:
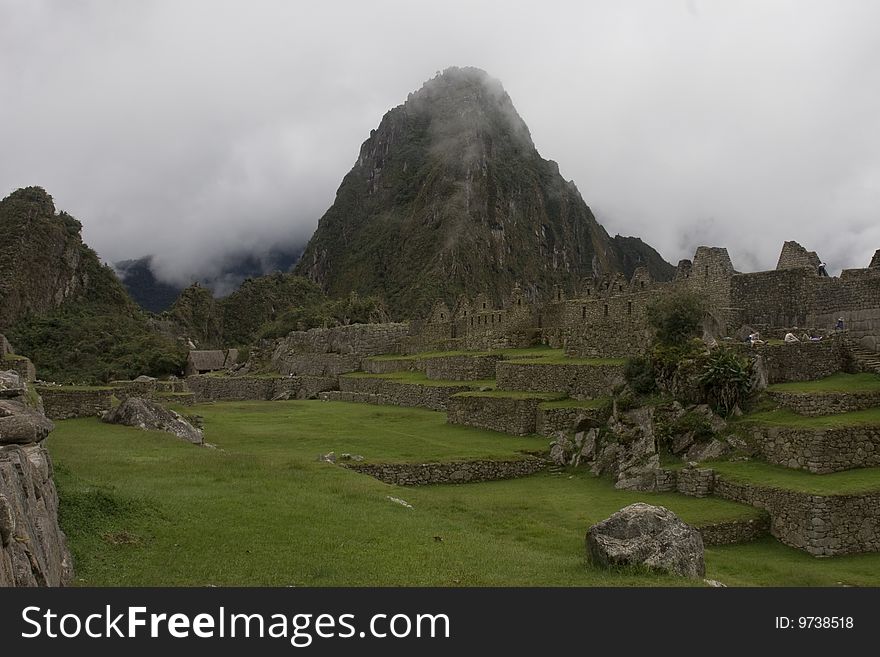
<point x="867" y="361"/>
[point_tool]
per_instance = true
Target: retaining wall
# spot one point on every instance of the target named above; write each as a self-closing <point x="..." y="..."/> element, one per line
<point x="825" y="403"/>
<point x="242" y="388"/>
<point x="578" y="381"/>
<point x="506" y="414"/>
<point x="735" y="531"/>
<point x="450" y="473"/>
<point x="460" y="368"/>
<point x="820" y="450"/>
<point x="394" y="393"/>
<point x="820" y="525"/>
<point x="61" y="403"/>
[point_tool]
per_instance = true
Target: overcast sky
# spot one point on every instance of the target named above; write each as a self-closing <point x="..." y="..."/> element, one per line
<point x="190" y="129"/>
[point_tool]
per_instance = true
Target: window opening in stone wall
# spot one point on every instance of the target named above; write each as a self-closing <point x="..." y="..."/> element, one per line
<point x="606" y="310"/>
<point x="629" y="307"/>
<point x="707" y="271"/>
<point x="583" y="312"/>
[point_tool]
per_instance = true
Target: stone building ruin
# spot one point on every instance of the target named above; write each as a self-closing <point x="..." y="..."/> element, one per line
<point x="606" y="316"/>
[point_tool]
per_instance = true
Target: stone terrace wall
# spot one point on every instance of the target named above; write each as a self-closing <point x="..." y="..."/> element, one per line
<point x="242" y="388"/>
<point x="450" y="473"/>
<point x="387" y="365"/>
<point x="63" y="403"/>
<point x="820" y="450"/>
<point x="819" y="525"/>
<point x="734" y="531"/>
<point x="506" y="414"/>
<point x="825" y="403"/>
<point x="334" y="351"/>
<point x="356" y="339"/>
<point x="803" y="361"/>
<point x="579" y="381"/>
<point x="461" y="368"/>
<point x="315" y="364"/>
<point x="402" y="394"/>
<point x="550" y="421"/>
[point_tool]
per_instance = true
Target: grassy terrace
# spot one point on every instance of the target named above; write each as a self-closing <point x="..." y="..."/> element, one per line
<point x="864" y="382"/>
<point x="787" y="418"/>
<point x="72" y="388"/>
<point x="837" y="483"/>
<point x="420" y="379"/>
<point x="143" y="508"/>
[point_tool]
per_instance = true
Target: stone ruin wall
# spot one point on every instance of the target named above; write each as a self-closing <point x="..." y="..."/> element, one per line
<point x="825" y="403"/>
<point x="62" y="404"/>
<point x="395" y="393"/>
<point x="820" y="525"/>
<point x="575" y="380"/>
<point x="257" y="388"/>
<point x="464" y="472"/>
<point x="516" y="416"/>
<point x="820" y="451"/>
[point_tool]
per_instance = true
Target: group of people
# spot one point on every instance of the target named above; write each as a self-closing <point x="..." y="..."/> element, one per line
<point x="791" y="338"/>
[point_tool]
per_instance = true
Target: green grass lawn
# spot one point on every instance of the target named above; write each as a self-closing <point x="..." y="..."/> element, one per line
<point x="787" y="418"/>
<point x="420" y="379"/>
<point x="144" y="508"/>
<point x="765" y="474"/>
<point x="864" y="382"/>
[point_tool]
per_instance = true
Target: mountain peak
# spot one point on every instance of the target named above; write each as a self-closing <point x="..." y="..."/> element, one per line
<point x="450" y="196"/>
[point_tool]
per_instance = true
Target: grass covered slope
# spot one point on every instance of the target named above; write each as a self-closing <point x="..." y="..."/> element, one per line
<point x="142" y="508"/>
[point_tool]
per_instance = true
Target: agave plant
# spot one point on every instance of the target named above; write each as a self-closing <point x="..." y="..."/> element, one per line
<point x="725" y="380"/>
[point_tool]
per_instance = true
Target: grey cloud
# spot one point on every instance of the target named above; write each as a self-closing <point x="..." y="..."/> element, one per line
<point x="196" y="129"/>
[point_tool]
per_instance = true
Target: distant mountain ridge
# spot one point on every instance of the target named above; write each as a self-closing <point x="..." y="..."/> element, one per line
<point x="157" y="296"/>
<point x="448" y="196"/>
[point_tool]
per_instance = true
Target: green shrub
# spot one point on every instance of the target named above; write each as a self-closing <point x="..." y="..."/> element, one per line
<point x="639" y="374"/>
<point x="725" y="380"/>
<point x="676" y="318"/>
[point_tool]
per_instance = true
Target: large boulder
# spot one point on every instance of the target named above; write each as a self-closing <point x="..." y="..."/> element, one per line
<point x="145" y="414"/>
<point x="652" y="536"/>
<point x="19" y="425"/>
<point x="33" y="549"/>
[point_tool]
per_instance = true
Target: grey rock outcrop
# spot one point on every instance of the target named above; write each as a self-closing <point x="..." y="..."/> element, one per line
<point x="33" y="549"/>
<point x="147" y="415"/>
<point x="19" y="425"/>
<point x="652" y="536"/>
